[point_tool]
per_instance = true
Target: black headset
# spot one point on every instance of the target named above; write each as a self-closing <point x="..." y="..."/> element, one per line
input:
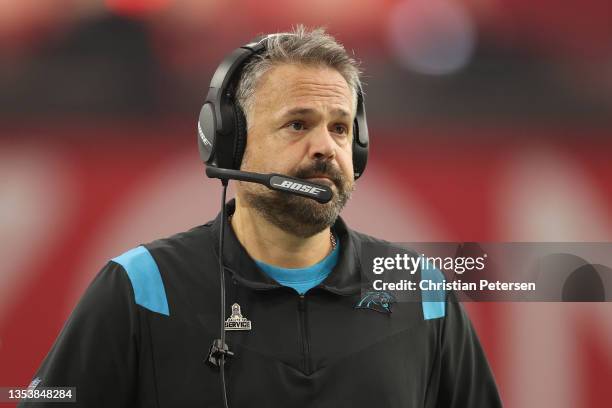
<point x="222" y="126"/>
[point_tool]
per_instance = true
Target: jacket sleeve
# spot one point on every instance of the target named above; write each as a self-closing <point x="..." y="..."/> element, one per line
<point x="96" y="351"/>
<point x="465" y="377"/>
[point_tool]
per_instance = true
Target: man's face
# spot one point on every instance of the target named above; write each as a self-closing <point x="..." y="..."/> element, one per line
<point x="301" y="125"/>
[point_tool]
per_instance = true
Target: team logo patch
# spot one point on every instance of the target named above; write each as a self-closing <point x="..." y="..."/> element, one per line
<point x="379" y="301"/>
<point x="236" y="321"/>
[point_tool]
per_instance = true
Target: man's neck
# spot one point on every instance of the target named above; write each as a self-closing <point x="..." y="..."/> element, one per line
<point x="267" y="243"/>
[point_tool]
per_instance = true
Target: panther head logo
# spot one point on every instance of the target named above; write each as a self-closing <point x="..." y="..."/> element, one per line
<point x="379" y="301"/>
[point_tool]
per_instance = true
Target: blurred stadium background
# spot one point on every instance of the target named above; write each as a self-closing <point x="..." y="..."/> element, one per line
<point x="490" y="121"/>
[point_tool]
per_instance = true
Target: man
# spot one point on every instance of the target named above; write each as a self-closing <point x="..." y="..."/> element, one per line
<point x="301" y="333"/>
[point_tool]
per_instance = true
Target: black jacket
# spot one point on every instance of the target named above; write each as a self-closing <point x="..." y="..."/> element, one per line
<point x="140" y="336"/>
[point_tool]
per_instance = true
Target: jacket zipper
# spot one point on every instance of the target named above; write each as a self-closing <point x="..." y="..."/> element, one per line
<point x="304" y="333"/>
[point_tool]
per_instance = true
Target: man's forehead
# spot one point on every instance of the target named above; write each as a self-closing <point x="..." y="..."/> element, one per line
<point x="295" y="87"/>
<point x="299" y="111"/>
<point x="307" y="111"/>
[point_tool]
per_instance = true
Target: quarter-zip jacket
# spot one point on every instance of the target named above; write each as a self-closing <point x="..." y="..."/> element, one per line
<point x="141" y="333"/>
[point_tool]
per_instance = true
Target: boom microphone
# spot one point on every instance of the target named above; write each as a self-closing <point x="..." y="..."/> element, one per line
<point x="317" y="192"/>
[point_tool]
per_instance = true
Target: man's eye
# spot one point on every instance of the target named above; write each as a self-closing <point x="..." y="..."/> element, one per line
<point x="296" y="126"/>
<point x="340" y="129"/>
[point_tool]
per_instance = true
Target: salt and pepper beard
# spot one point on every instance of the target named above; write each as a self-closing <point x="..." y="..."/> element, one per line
<point x="298" y="215"/>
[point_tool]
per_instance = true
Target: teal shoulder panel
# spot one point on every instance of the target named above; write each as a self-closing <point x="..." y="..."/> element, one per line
<point x="146" y="280"/>
<point x="433" y="301"/>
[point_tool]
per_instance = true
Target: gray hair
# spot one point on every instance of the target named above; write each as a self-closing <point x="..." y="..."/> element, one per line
<point x="301" y="46"/>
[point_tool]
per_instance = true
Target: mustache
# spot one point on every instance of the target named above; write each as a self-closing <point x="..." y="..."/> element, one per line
<point x="322" y="169"/>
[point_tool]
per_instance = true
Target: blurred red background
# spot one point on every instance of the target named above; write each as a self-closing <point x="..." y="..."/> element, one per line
<point x="490" y="121"/>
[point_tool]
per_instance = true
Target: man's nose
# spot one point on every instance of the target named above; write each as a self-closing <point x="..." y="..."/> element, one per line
<point x="322" y="145"/>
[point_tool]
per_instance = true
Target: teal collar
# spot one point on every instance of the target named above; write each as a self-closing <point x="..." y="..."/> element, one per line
<point x="302" y="279"/>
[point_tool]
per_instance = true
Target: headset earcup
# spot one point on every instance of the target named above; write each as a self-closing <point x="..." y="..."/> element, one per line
<point x="361" y="139"/>
<point x="360" y="153"/>
<point x="241" y="135"/>
<point x="206" y="133"/>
